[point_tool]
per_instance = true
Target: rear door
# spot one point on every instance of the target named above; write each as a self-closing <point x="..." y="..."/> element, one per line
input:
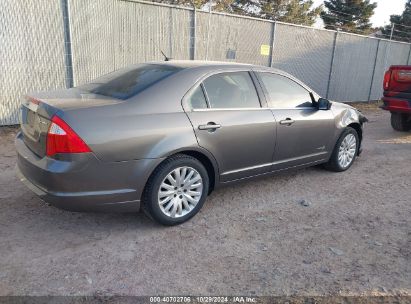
<point x="304" y="133"/>
<point x="229" y="121"/>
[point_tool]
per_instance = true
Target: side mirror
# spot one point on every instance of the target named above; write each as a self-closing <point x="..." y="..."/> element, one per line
<point x="323" y="104"/>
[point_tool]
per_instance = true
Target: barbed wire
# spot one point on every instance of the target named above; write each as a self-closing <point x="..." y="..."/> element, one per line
<point x="408" y="39"/>
<point x="395" y="30"/>
<point x="333" y="14"/>
<point x="339" y="12"/>
<point x="391" y="23"/>
<point x="407" y="26"/>
<point x="379" y="35"/>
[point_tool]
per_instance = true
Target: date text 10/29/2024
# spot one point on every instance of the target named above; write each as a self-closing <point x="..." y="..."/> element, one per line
<point x="204" y="299"/>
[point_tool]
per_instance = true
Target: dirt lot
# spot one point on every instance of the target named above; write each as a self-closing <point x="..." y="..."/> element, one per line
<point x="253" y="238"/>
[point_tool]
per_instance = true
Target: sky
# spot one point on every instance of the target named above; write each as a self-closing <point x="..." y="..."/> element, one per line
<point x="384" y="9"/>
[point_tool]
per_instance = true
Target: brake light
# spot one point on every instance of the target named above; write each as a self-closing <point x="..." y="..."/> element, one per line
<point x="62" y="139"/>
<point x="387" y="79"/>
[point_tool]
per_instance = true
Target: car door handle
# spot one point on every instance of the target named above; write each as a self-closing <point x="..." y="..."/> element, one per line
<point x="209" y="126"/>
<point x="287" y="121"/>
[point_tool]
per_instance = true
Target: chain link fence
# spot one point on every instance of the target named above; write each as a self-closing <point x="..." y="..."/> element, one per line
<point x="60" y="43"/>
<point x="31" y="52"/>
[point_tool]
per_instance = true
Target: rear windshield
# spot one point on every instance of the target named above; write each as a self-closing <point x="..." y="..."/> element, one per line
<point x="127" y="82"/>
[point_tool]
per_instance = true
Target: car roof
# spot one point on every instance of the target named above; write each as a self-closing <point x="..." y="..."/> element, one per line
<point x="207" y="66"/>
<point x="197" y="63"/>
<point x="189" y="64"/>
<point x="185" y="64"/>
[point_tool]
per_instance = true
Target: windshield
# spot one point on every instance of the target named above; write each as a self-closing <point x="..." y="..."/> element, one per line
<point x="127" y="82"/>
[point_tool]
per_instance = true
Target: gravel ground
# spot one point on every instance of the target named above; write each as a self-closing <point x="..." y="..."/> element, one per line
<point x="253" y="238"/>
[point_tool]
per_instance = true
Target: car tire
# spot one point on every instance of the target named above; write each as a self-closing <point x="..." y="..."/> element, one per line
<point x="336" y="162"/>
<point x="167" y="187"/>
<point x="400" y="122"/>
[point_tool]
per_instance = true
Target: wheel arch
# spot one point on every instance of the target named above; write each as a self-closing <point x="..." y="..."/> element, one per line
<point x="357" y="127"/>
<point x="204" y="157"/>
<point x="207" y="163"/>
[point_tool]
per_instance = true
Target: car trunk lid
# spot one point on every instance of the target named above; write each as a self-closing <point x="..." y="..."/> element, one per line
<point x="38" y="109"/>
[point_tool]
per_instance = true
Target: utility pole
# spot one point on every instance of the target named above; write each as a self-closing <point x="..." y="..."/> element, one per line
<point x="193" y="33"/>
<point x="208" y="28"/>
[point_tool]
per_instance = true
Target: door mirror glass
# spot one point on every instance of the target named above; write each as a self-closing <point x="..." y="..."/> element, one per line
<point x="323" y="104"/>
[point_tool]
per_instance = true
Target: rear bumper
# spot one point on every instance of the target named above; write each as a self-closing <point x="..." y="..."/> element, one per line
<point x="394" y="104"/>
<point x="82" y="182"/>
<point x="103" y="201"/>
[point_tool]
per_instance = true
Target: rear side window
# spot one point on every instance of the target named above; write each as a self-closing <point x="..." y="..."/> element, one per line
<point x="284" y="93"/>
<point x="231" y="90"/>
<point x="196" y="99"/>
<point x="126" y="83"/>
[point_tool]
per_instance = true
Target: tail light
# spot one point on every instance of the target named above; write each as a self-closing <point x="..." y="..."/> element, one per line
<point x="62" y="139"/>
<point x="387" y="79"/>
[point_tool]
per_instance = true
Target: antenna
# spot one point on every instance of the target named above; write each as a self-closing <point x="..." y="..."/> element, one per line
<point x="165" y="57"/>
<point x="161" y="51"/>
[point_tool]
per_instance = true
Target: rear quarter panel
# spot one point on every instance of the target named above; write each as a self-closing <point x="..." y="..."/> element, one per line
<point x="121" y="133"/>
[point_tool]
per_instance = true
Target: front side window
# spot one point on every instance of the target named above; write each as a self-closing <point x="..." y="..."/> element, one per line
<point x="127" y="82"/>
<point x="231" y="90"/>
<point x="284" y="93"/>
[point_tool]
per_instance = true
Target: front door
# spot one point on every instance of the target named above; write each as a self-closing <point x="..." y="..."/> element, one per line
<point x="304" y="133"/>
<point x="228" y="120"/>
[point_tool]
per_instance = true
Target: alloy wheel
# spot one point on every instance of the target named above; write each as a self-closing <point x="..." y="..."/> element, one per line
<point x="180" y="191"/>
<point x="347" y="150"/>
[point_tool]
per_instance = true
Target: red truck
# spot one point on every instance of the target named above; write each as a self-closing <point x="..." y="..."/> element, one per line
<point x="397" y="96"/>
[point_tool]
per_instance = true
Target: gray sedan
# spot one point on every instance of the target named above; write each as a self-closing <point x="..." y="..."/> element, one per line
<point x="161" y="136"/>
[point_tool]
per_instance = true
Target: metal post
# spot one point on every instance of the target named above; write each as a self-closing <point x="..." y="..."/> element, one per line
<point x="193" y="34"/>
<point x="170" y="41"/>
<point x="409" y="54"/>
<point x="373" y="70"/>
<point x="389" y="47"/>
<point x="332" y="64"/>
<point x="272" y="44"/>
<point x="68" y="58"/>
<point x="208" y="29"/>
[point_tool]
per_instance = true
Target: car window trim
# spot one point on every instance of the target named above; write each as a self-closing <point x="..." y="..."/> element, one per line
<point x="225" y="109"/>
<point x="260" y="91"/>
<point x="184" y="100"/>
<point x="205" y="96"/>
<point x="228" y="109"/>
<point x="295" y="108"/>
<point x="267" y="95"/>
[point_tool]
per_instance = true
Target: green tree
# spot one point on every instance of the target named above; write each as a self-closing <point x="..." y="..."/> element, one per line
<point x="402" y="25"/>
<point x="349" y="15"/>
<point x="292" y="11"/>
<point x="219" y="6"/>
<point x="301" y="12"/>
